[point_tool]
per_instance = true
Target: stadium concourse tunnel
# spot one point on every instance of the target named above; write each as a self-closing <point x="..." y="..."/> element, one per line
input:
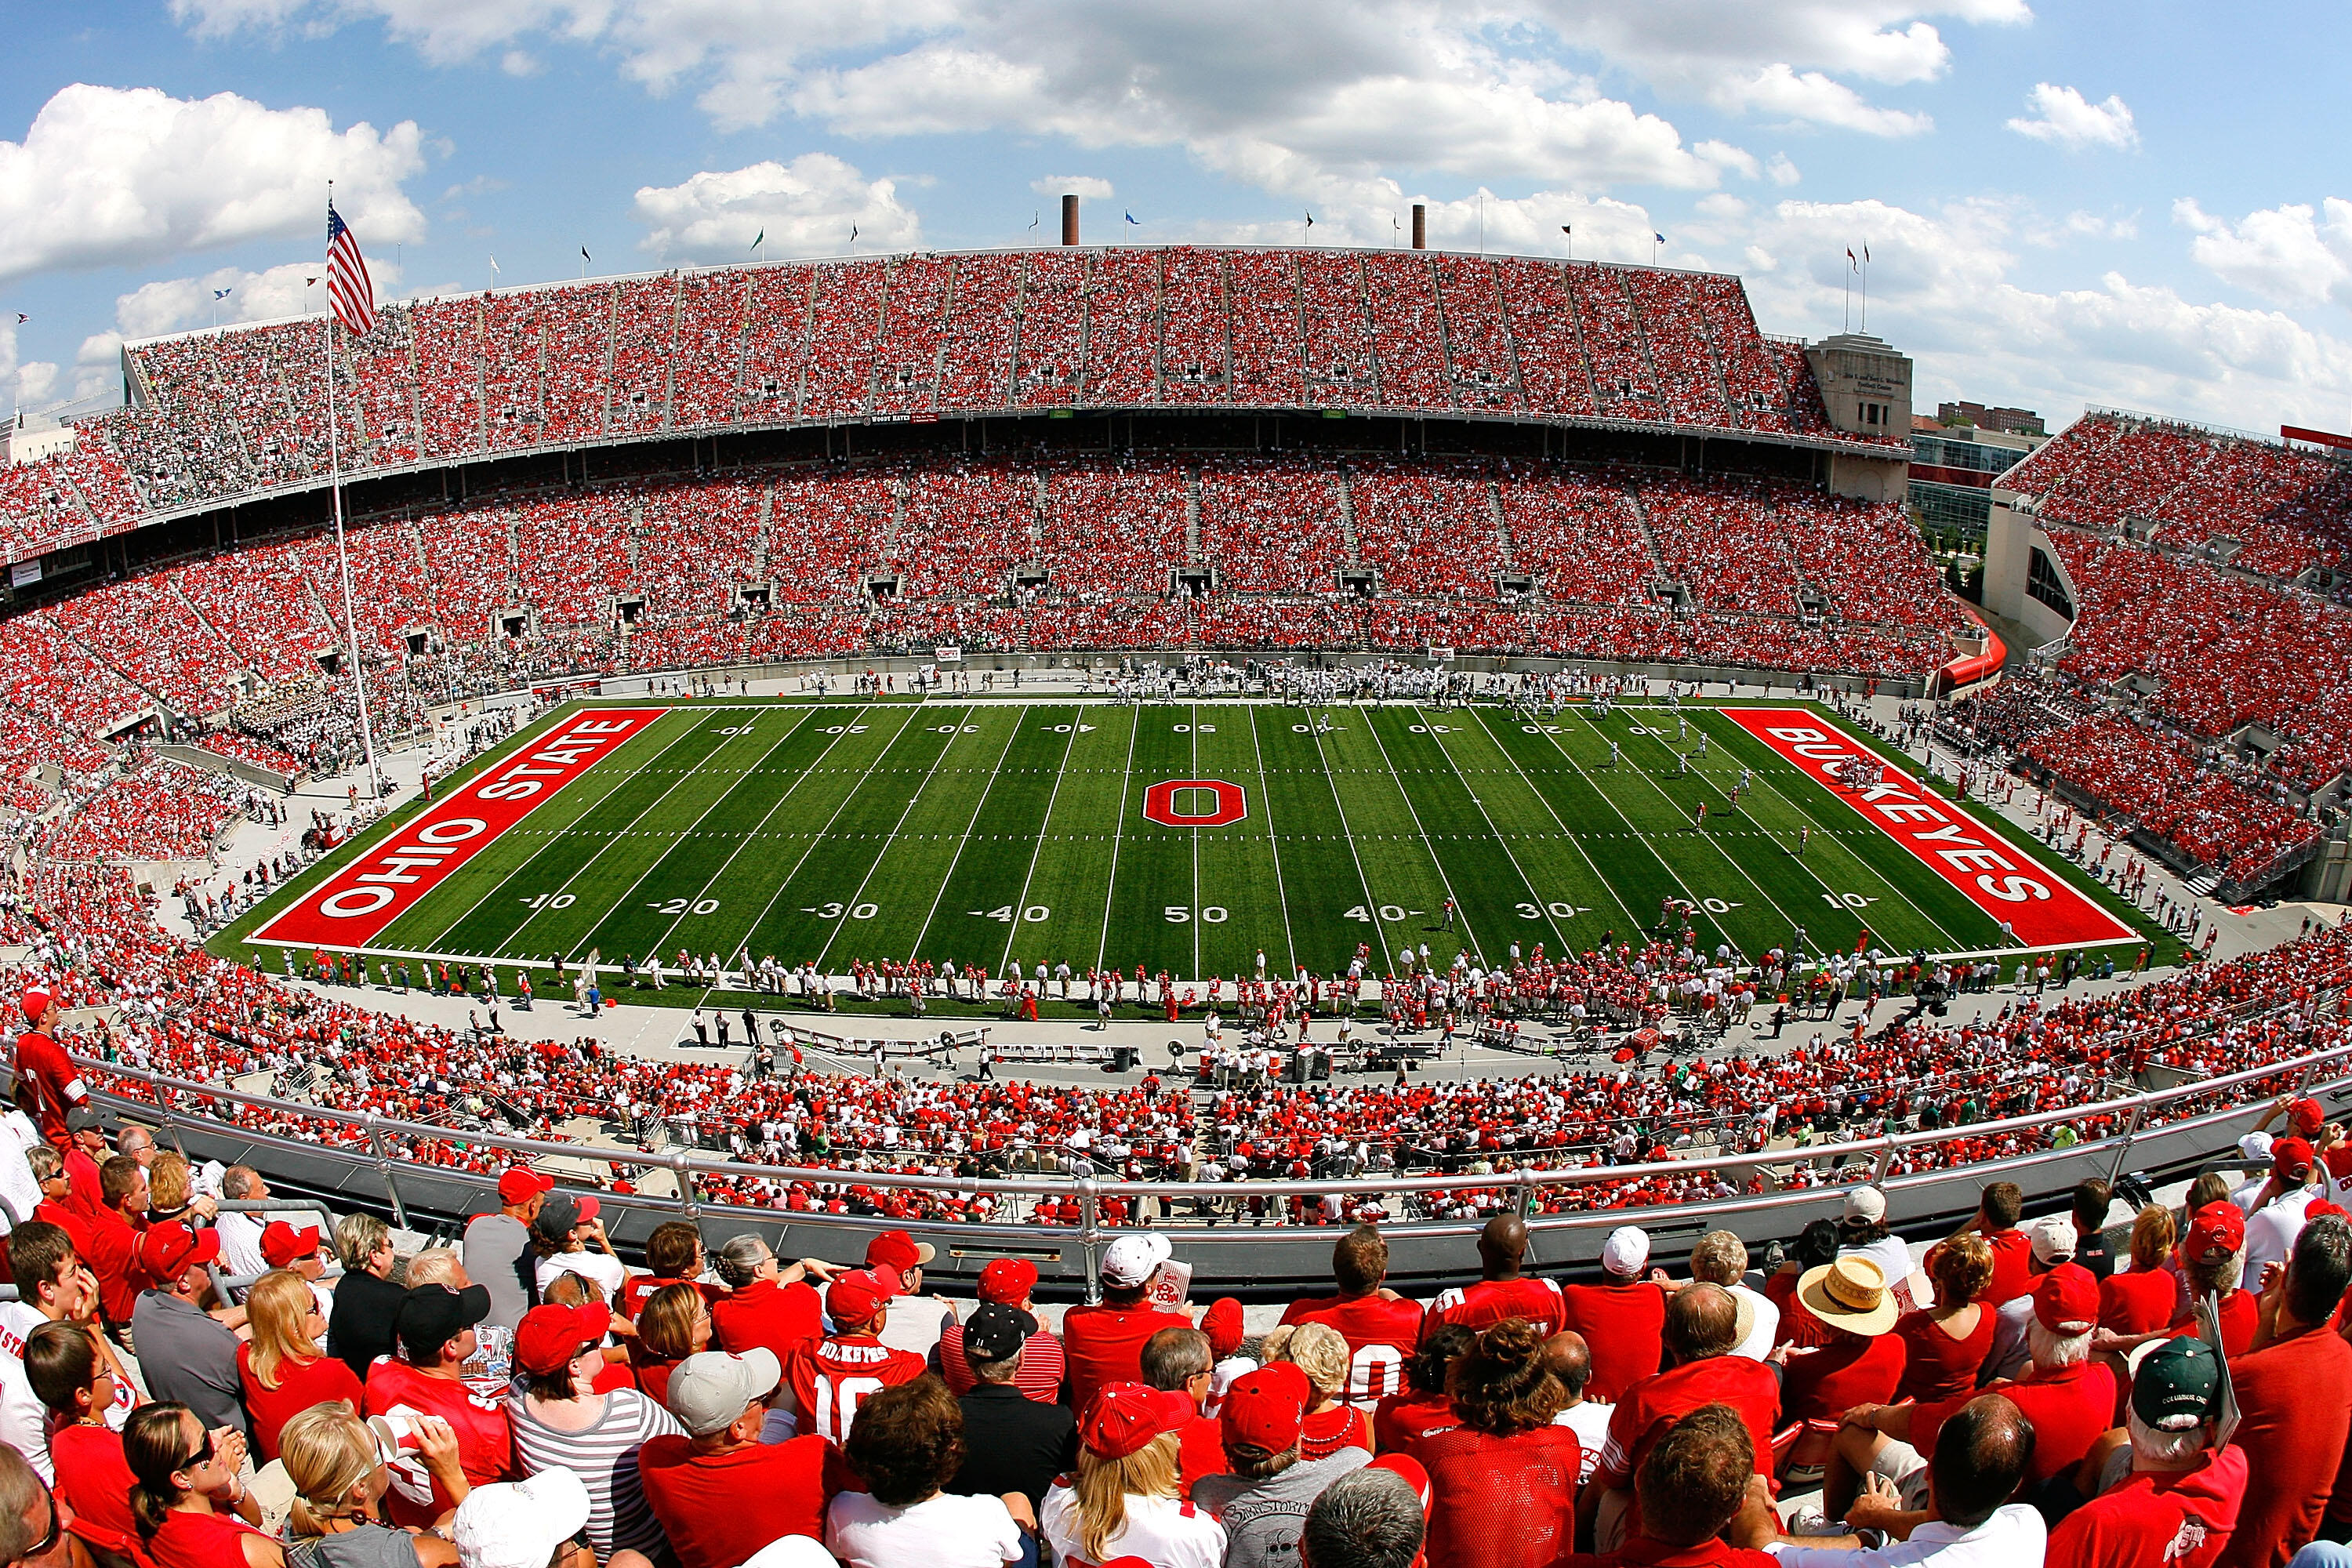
<point x="2162" y="1134"/>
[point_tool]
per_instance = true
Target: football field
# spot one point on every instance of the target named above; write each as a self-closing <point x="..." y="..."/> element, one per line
<point x="1189" y="839"/>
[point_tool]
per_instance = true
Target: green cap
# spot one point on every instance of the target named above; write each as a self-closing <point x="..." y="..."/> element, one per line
<point x="2176" y="1384"/>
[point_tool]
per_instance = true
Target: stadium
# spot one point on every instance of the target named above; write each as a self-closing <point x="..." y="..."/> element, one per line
<point x="1020" y="756"/>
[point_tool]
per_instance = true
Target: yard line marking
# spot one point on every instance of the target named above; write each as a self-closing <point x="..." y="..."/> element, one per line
<point x="1699" y="909"/>
<point x="1405" y="795"/>
<point x="1039" y="846"/>
<point x="1012" y="734"/>
<point x="1497" y="835"/>
<point x="744" y="937"/>
<point x="1272" y="846"/>
<point x="1118" y="837"/>
<point x="1575" y="839"/>
<point x="864" y="882"/>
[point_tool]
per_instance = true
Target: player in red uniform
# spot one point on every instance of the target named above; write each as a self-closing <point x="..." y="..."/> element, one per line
<point x="1502" y="1291"/>
<point x="827" y="1380"/>
<point x="1381" y="1327"/>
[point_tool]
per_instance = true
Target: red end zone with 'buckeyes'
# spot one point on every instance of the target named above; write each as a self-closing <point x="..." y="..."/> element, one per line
<point x="380" y="886"/>
<point x="2044" y="908"/>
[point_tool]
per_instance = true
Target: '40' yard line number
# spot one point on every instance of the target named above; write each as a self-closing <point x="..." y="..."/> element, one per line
<point x="1035" y="914"/>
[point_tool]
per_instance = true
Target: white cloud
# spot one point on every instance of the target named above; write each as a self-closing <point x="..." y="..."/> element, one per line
<point x="1084" y="186"/>
<point x="806" y="207"/>
<point x="2288" y="254"/>
<point x="2068" y="121"/>
<point x="225" y="294"/>
<point x="1781" y="171"/>
<point x="111" y="176"/>
<point x="1724" y="155"/>
<point x="1299" y="99"/>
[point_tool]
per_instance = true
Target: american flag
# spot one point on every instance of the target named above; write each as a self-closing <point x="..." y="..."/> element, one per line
<point x="348" y="292"/>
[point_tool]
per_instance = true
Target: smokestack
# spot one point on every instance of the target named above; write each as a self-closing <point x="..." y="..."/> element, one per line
<point x="1420" y="226"/>
<point x="1069" y="220"/>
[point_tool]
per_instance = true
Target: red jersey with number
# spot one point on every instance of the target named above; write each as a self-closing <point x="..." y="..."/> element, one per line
<point x="1490" y="1302"/>
<point x="1380" y="1333"/>
<point x="485" y="1441"/>
<point x="831" y="1378"/>
<point x="1624" y="1325"/>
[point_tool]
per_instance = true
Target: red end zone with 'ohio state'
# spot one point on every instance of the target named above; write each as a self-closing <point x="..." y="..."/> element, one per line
<point x="2042" y="909"/>
<point x="380" y="886"/>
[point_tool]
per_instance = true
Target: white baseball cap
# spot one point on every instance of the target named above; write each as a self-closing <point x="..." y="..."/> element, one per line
<point x="2053" y="1239"/>
<point x="2255" y="1146"/>
<point x="519" y="1524"/>
<point x="1130" y="1260"/>
<point x="1627" y="1248"/>
<point x="1865" y="1203"/>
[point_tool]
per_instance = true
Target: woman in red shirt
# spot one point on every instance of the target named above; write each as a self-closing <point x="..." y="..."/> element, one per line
<point x="1863" y="1361"/>
<point x="187" y="1479"/>
<point x="1320" y="1352"/>
<point x="1944" y="1345"/>
<point x="673" y="1325"/>
<point x="1423" y="1405"/>
<point x="2142" y="1299"/>
<point x="284" y="1370"/>
<point x="1505" y="1479"/>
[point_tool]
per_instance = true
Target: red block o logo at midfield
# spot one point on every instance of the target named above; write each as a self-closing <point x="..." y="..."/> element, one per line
<point x="1160" y="803"/>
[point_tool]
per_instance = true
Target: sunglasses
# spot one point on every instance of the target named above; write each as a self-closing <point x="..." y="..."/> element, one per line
<point x="49" y="1543"/>
<point x="202" y="1456"/>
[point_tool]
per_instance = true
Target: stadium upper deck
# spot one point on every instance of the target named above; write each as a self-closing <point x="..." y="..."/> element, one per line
<point x="232" y="415"/>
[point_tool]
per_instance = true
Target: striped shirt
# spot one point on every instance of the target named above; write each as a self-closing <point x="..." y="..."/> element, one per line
<point x="604" y="1458"/>
<point x="1039" y="1377"/>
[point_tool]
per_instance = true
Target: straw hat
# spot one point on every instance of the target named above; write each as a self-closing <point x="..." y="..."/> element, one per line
<point x="1850" y="1294"/>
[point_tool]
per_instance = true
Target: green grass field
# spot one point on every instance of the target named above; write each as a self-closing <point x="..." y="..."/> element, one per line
<point x="971" y="832"/>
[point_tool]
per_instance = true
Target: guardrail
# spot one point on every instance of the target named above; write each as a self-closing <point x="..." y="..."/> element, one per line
<point x="2157" y="1131"/>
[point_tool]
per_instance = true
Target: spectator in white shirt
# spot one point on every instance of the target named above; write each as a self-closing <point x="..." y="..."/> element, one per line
<point x="240" y="1233"/>
<point x="907" y="1444"/>
<point x="2276" y="1219"/>
<point x="1980" y="1455"/>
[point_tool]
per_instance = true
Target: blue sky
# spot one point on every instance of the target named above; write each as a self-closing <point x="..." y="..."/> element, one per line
<point x="2094" y="204"/>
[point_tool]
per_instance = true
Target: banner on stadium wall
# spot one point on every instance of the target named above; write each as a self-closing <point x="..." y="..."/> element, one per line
<point x="380" y="886"/>
<point x="949" y="653"/>
<point x="24" y="574"/>
<point x="2043" y="908"/>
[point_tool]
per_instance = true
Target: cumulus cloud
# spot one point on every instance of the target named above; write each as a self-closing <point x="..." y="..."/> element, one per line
<point x="2291" y="255"/>
<point x="806" y="207"/>
<point x="2067" y="121"/>
<point x="1084" y="186"/>
<point x="1293" y="98"/>
<point x="110" y="177"/>
<point x="1781" y="171"/>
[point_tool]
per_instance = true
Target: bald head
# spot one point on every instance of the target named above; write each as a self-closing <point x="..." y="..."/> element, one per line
<point x="1981" y="1454"/>
<point x="1702" y="1321"/>
<point x="1567" y="1358"/>
<point x="1502" y="1245"/>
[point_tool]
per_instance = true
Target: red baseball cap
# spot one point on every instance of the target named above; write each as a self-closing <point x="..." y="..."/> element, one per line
<point x="855" y="1296"/>
<point x="1008" y="1280"/>
<point x="281" y="1244"/>
<point x="2308" y="1117"/>
<point x="550" y="1337"/>
<point x="898" y="1252"/>
<point x="1122" y="1419"/>
<point x="2066" y="1301"/>
<point x="2290" y="1158"/>
<point x="168" y="1251"/>
<point x="35" y="1001"/>
<point x="2215" y="1231"/>
<point x="1266" y="1409"/>
<point x="2320" y="1208"/>
<point x="521" y="1184"/>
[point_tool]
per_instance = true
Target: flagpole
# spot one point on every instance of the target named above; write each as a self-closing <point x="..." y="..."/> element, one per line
<point x="343" y="553"/>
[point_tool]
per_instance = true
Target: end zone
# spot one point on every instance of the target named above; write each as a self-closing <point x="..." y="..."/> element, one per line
<point x="383" y="884"/>
<point x="2042" y="909"/>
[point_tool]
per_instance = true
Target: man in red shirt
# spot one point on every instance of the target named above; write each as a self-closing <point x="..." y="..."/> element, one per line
<point x="2012" y="1249"/>
<point x="720" y="1493"/>
<point x="1622" y="1318"/>
<point x="1007" y="1282"/>
<point x="1177" y="1364"/>
<point x="1381" y="1327"/>
<point x="1693" y="1483"/>
<point x="1701" y="1328"/>
<point x="434" y="1331"/>
<point x="84" y="1153"/>
<point x="825" y="1381"/>
<point x="2295" y="1400"/>
<point x="1502" y="1291"/>
<point x="2181" y="1502"/>
<point x="896" y="1254"/>
<point x="114" y="1240"/>
<point x="2069" y="1400"/>
<point x="56" y="1083"/>
<point x="1104" y="1343"/>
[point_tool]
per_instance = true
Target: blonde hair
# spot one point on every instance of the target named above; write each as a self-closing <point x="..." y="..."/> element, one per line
<point x="276" y="1307"/>
<point x="434" y="1265"/>
<point x="1103" y="1487"/>
<point x="326" y="1451"/>
<point x="167" y="1182"/>
<point x="2153" y="1234"/>
<point x="1319" y="1350"/>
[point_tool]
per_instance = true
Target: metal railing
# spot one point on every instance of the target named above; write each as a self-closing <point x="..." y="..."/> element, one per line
<point x="2191" y="1118"/>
